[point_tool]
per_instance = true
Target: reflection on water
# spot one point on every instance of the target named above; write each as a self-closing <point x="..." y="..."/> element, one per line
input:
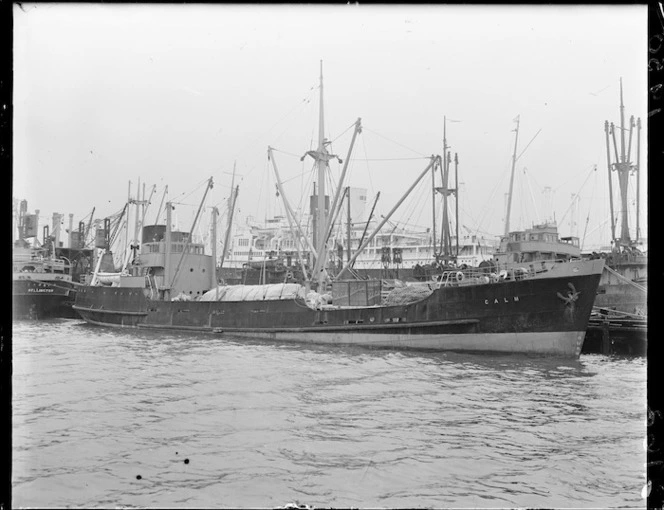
<point x="263" y="424"/>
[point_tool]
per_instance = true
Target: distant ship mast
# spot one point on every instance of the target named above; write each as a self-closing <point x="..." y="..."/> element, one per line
<point x="515" y="158"/>
<point x="446" y="253"/>
<point x="322" y="166"/>
<point x="509" y="195"/>
<point x="624" y="167"/>
<point x="322" y="158"/>
<point x="323" y="214"/>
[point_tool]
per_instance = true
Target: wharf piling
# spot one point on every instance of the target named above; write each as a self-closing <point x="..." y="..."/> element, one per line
<point x="610" y="332"/>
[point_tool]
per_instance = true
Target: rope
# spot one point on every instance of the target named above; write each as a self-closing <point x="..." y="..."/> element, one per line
<point x="288" y="153"/>
<point x="626" y="280"/>
<point x="616" y="312"/>
<point x="295" y="177"/>
<point x="532" y="196"/>
<point x="364" y="149"/>
<point x="184" y="195"/>
<point x="393" y="159"/>
<point x="531" y="141"/>
<point x="585" y="230"/>
<point x="303" y="102"/>
<point x="343" y="133"/>
<point x="414" y="204"/>
<point x="395" y="142"/>
<point x="485" y="209"/>
<point x="577" y="193"/>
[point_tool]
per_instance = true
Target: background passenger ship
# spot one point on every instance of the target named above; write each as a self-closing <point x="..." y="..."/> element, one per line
<point x="266" y="252"/>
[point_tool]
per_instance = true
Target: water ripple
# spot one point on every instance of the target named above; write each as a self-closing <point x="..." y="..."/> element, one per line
<point x="106" y="418"/>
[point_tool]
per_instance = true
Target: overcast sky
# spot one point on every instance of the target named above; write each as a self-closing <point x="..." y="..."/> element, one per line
<point x="175" y="94"/>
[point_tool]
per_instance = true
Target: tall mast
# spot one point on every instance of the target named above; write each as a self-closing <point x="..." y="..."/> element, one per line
<point x="229" y="216"/>
<point x="322" y="162"/>
<point x="638" y="176"/>
<point x="321" y="156"/>
<point x="443" y="174"/>
<point x="607" y="129"/>
<point x="71" y="230"/>
<point x="623" y="174"/>
<point x="622" y="125"/>
<point x="509" y="195"/>
<point x="456" y="201"/>
<point x="156" y="220"/>
<point x="231" y="209"/>
<point x="433" y="207"/>
<point x="623" y="166"/>
<point x="629" y="141"/>
<point x="445" y="235"/>
<point x="348" y="222"/>
<point x="214" y="283"/>
<point x="144" y="205"/>
<point x="137" y="203"/>
<point x="168" y="261"/>
<point x="127" y="235"/>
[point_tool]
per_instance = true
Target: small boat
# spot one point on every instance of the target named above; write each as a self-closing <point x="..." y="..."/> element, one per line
<point x="173" y="286"/>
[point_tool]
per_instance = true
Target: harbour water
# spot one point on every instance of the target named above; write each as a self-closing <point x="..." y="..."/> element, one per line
<point x="107" y="418"/>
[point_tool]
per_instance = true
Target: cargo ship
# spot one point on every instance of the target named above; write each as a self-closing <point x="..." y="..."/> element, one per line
<point x="172" y="284"/>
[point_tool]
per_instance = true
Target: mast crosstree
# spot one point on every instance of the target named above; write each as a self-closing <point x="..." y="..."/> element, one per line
<point x="324" y="214"/>
<point x="624" y="168"/>
<point x="445" y="250"/>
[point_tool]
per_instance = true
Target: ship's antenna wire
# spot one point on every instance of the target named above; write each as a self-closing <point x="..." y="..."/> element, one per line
<point x="393" y="141"/>
<point x="583" y="239"/>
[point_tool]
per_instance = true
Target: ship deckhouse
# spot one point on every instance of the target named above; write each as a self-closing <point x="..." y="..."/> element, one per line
<point x="541" y="242"/>
<point x="196" y="275"/>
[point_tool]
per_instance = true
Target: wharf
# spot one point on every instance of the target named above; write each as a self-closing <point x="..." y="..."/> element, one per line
<point x="611" y="332"/>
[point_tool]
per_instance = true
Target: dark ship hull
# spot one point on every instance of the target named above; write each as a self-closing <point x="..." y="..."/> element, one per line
<point x="533" y="316"/>
<point x="39" y="299"/>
